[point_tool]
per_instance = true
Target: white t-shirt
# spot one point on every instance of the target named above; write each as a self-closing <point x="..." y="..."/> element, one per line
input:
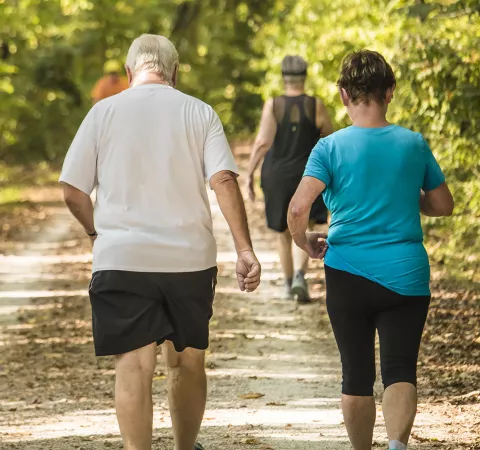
<point x="148" y="151"/>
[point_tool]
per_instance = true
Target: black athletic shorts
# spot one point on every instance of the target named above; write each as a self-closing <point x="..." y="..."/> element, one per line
<point x="133" y="309"/>
<point x="277" y="200"/>
<point x="357" y="307"/>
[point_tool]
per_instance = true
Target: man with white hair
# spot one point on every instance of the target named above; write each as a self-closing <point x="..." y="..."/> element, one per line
<point x="148" y="151"/>
<point x="290" y="127"/>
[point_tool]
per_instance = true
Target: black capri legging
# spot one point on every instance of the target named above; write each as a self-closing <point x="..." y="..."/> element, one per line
<point x="357" y="307"/>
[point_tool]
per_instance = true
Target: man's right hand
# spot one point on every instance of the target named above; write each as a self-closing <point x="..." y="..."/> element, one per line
<point x="250" y="187"/>
<point x="248" y="271"/>
<point x="231" y="204"/>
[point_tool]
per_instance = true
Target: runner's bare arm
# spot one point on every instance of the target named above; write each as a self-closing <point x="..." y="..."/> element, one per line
<point x="263" y="142"/>
<point x="323" y="120"/>
<point x="80" y="205"/>
<point x="299" y="214"/>
<point x="230" y="200"/>
<point x="225" y="186"/>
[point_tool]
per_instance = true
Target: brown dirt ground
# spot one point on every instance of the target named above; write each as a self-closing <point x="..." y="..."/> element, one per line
<point x="273" y="367"/>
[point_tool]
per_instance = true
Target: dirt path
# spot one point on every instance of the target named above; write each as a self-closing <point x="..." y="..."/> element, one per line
<point x="273" y="367"/>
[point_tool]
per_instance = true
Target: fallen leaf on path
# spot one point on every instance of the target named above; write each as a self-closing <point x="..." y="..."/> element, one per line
<point x="276" y="404"/>
<point x="53" y="355"/>
<point x="251" y="395"/>
<point x="228" y="358"/>
<point x="422" y="439"/>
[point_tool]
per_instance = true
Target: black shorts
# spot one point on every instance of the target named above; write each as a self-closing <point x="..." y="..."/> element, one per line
<point x="357" y="307"/>
<point x="277" y="200"/>
<point x="133" y="309"/>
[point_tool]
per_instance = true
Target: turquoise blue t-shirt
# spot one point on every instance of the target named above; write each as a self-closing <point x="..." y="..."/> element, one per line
<point x="373" y="178"/>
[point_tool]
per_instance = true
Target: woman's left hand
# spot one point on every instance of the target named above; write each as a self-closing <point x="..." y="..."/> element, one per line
<point x="316" y="245"/>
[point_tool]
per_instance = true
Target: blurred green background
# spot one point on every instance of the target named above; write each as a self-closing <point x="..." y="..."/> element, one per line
<point x="53" y="51"/>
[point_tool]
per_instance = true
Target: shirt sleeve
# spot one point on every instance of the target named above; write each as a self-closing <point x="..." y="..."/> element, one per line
<point x="80" y="165"/>
<point x="434" y="176"/>
<point x="217" y="155"/>
<point x="318" y="165"/>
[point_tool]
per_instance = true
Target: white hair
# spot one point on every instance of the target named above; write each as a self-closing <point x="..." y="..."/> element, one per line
<point x="153" y="53"/>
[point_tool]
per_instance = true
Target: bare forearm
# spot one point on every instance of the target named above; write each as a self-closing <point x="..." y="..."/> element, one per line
<point x="299" y="214"/>
<point x="258" y="153"/>
<point x="82" y="210"/>
<point x="424" y="205"/>
<point x="265" y="136"/>
<point x="426" y="208"/>
<point x="298" y="225"/>
<point x="231" y="204"/>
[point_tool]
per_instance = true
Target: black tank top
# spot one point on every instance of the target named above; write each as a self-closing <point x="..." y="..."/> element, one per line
<point x="296" y="136"/>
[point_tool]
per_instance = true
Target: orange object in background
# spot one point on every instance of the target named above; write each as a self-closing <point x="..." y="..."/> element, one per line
<point x="107" y="86"/>
<point x="110" y="84"/>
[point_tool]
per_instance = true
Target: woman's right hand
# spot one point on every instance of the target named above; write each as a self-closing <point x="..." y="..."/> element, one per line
<point x="250" y="187"/>
<point x="316" y="245"/>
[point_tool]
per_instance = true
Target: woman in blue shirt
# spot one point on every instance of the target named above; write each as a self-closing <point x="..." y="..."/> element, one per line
<point x="376" y="179"/>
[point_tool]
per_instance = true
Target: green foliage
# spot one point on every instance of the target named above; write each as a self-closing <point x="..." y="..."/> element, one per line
<point x="53" y="51"/>
<point x="440" y="96"/>
<point x="434" y="50"/>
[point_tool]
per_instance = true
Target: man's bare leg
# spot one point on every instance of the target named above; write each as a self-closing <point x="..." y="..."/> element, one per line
<point x="399" y="410"/>
<point x="187" y="393"/>
<point x="359" y="414"/>
<point x="133" y="396"/>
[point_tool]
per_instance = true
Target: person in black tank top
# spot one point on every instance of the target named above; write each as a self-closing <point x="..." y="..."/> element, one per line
<point x="290" y="127"/>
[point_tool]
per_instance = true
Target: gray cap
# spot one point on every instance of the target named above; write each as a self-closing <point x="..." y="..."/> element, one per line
<point x="294" y="65"/>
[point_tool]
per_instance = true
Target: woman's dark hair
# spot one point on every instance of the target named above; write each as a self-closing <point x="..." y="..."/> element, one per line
<point x="366" y="77"/>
